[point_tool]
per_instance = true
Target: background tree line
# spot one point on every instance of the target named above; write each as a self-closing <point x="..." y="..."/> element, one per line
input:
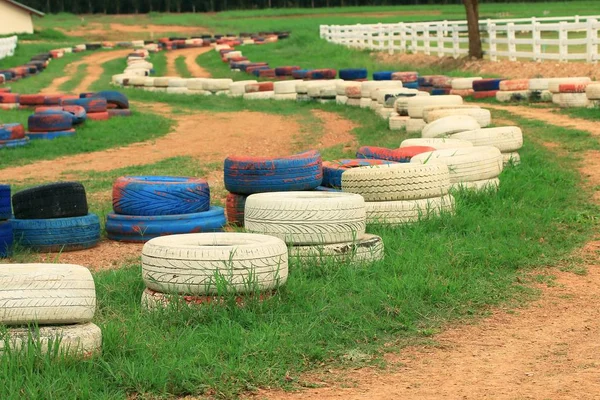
<point x="144" y="6"/>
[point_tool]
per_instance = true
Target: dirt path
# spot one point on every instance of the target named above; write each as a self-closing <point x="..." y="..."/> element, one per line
<point x="190" y="61"/>
<point x="94" y="70"/>
<point x="119" y="31"/>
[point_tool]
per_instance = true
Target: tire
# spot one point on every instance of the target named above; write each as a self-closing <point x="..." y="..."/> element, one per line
<point x="302" y="218"/>
<point x="194" y="264"/>
<point x="464" y="83"/>
<point x="50" y="135"/>
<point x="415" y="125"/>
<point x="81" y="340"/>
<point x="7" y="144"/>
<point x="160" y="195"/>
<point x="259" y="87"/>
<point x="381" y="76"/>
<point x="91" y="105"/>
<point x="98" y="116"/>
<point x="118" y="112"/>
<point x="520" y="95"/>
<point x="506" y="139"/>
<point x="234" y="206"/>
<point x="5" y="207"/>
<point x="398" y="155"/>
<point x="58" y="234"/>
<point x="259" y="96"/>
<point x="554" y="84"/>
<point x="286" y="71"/>
<point x="485" y="85"/>
<point x="12" y="131"/>
<point x="321" y="74"/>
<point x="449" y="125"/>
<point x="46" y="294"/>
<point x="31" y="99"/>
<point x="248" y="175"/>
<point x="398" y="181"/>
<point x="481" y="185"/>
<point x="365" y="250"/>
<point x="55" y="200"/>
<point x="53" y="122"/>
<point x="6" y="238"/>
<point x="408" y="211"/>
<point x="398" y="123"/>
<point x="593" y="91"/>
<point x="152" y="299"/>
<point x="415" y="105"/>
<point x="9" y="98"/>
<point x="333" y="170"/>
<point x="466" y="164"/>
<point x="511" y="85"/>
<point x="485" y="94"/>
<point x="511" y="159"/>
<point x="351" y="74"/>
<point x="538" y="84"/>
<point x="406" y="77"/>
<point x="114" y="97"/>
<point x="481" y="115"/>
<point x="325" y="189"/>
<point x="568" y="100"/>
<point x="285" y="87"/>
<point x="139" y="229"/>
<point x="217" y="84"/>
<point x="436" y="143"/>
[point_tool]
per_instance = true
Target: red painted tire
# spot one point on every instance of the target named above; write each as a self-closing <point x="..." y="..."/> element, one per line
<point x="321" y="74"/>
<point x="234" y="207"/>
<point x="286" y="71"/>
<point x="47" y="108"/>
<point x="410" y="76"/>
<point x="266" y="73"/>
<point x="9" y="98"/>
<point x="119" y="113"/>
<point x="259" y="87"/>
<point x="514" y="85"/>
<point x="31" y="99"/>
<point x="12" y="131"/>
<point x="573" y="87"/>
<point x="6" y="89"/>
<point x="52" y="99"/>
<point x="402" y="155"/>
<point x="91" y="105"/>
<point x="98" y="116"/>
<point x="485" y="94"/>
<point x="49" y="122"/>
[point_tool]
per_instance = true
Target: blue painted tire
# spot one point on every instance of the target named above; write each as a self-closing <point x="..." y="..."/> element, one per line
<point x="57" y="234"/>
<point x="90" y="104"/>
<point x="351" y="74"/>
<point x="382" y="76"/>
<point x="12" y="131"/>
<point x="70" y="115"/>
<point x="248" y="175"/>
<point x="411" y="85"/>
<point x="332" y="170"/>
<point x="484" y="85"/>
<point x="133" y="228"/>
<point x="6" y="238"/>
<point x="5" y="208"/>
<point x="9" y="144"/>
<point x="50" y="122"/>
<point x="50" y="135"/>
<point x="160" y="195"/>
<point x="326" y="189"/>
<point x="300" y="73"/>
<point x="114" y="97"/>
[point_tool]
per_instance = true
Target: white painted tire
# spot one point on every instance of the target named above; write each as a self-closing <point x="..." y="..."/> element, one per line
<point x="353" y="102"/>
<point x="238" y="88"/>
<point x="593" y="91"/>
<point x="512" y="158"/>
<point x="385" y="113"/>
<point x="415" y="125"/>
<point x="162" y="81"/>
<point x="149" y="82"/>
<point x="365" y="102"/>
<point x="427" y="110"/>
<point x="137" y="81"/>
<point x="403" y="181"/>
<point x="448" y="125"/>
<point x="80" y="340"/>
<point x="215" y="85"/>
<point x="259" y="95"/>
<point x="466" y="164"/>
<point x="341" y="99"/>
<point x="302" y="87"/>
<point x="464" y="83"/>
<point x="46" y="294"/>
<point x="284" y="87"/>
<point x="316" y="88"/>
<point x="178" y="90"/>
<point x="505" y="138"/>
<point x="437" y="143"/>
<point x="568" y="100"/>
<point x="152" y="300"/>
<point x="539" y="84"/>
<point x="366" y="249"/>
<point x="196" y="263"/>
<point x="416" y="104"/>
<point x="285" y="96"/>
<point x="407" y="211"/>
<point x="554" y="83"/>
<point x="368" y="86"/>
<point x="481" y="115"/>
<point x="484" y="184"/>
<point x="178" y="83"/>
<point x="401" y="102"/>
<point x="340" y="87"/>
<point x="516" y="95"/>
<point x="195" y="83"/>
<point x="398" y="123"/>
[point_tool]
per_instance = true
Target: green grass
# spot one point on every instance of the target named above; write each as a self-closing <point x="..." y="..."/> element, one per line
<point x="75" y="80"/>
<point x="592" y="114"/>
<point x="181" y="68"/>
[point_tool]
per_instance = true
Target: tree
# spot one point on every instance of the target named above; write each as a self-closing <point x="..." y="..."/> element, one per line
<point x="472" y="8"/>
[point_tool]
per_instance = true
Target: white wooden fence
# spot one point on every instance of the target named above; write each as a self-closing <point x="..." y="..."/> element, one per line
<point x="7" y="46"/>
<point x="561" y="39"/>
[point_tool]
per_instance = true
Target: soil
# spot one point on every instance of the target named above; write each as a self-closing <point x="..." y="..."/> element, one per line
<point x="190" y="61"/>
<point x="383" y="14"/>
<point x="117" y="31"/>
<point x="505" y="69"/>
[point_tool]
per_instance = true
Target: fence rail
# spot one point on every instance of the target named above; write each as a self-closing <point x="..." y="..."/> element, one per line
<point x="7" y="46"/>
<point x="557" y="38"/>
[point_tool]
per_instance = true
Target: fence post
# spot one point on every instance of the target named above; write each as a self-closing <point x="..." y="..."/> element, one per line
<point x="445" y="24"/>
<point x="455" y="43"/>
<point x="426" y="40"/>
<point x="402" y="37"/>
<point x="563" y="47"/>
<point x="592" y="40"/>
<point x="413" y="38"/>
<point x="536" y="36"/>
<point x="440" y="40"/>
<point x="492" y="38"/>
<point x="512" y="48"/>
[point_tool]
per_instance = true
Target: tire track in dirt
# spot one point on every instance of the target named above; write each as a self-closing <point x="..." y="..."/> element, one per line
<point x="94" y="70"/>
<point x="190" y="61"/>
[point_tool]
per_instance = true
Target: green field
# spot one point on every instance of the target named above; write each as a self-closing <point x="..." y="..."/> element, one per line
<point x="451" y="269"/>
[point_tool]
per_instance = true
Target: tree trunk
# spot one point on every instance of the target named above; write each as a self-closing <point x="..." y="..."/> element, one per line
<point x="472" y="8"/>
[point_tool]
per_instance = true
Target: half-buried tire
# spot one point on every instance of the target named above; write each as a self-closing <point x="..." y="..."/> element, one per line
<point x="55" y="200"/>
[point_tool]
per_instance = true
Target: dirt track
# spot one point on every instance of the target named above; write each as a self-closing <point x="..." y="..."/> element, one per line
<point x="190" y="61"/>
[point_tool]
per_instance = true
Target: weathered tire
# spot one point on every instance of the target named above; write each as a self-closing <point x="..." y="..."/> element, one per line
<point x="215" y="263"/>
<point x="6" y="238"/>
<point x="8" y="144"/>
<point x="53" y="122"/>
<point x="234" y="207"/>
<point x="466" y="164"/>
<point x="160" y="195"/>
<point x="114" y="97"/>
<point x="50" y="135"/>
<point x="12" y="131"/>
<point x="398" y="123"/>
<point x="5" y="208"/>
<point x="58" y="234"/>
<point x="118" y="112"/>
<point x="364" y="250"/>
<point x="46" y="294"/>
<point x="436" y="143"/>
<point x="136" y="228"/>
<point x="554" y="84"/>
<point x="506" y="138"/>
<point x="397" y="181"/>
<point x="398" y="155"/>
<point x="91" y="105"/>
<point x="333" y="170"/>
<point x="80" y="340"/>
<point x="519" y="95"/>
<point x="415" y="125"/>
<point x="415" y="105"/>
<point x="593" y="91"/>
<point x="481" y="115"/>
<point x="567" y="100"/>
<point x="511" y="85"/>
<point x="407" y="211"/>
<point x="306" y="217"/>
<point x="151" y="299"/>
<point x="484" y="184"/>
<point x="55" y="200"/>
<point x="350" y="74"/>
<point x="98" y="116"/>
<point x="485" y="85"/>
<point x="247" y="175"/>
<point x="448" y="125"/>
<point x="511" y="158"/>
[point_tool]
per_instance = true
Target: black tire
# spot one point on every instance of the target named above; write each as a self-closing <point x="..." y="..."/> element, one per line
<point x="60" y="234"/>
<point x="5" y="210"/>
<point x="6" y="238"/>
<point x="55" y="200"/>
